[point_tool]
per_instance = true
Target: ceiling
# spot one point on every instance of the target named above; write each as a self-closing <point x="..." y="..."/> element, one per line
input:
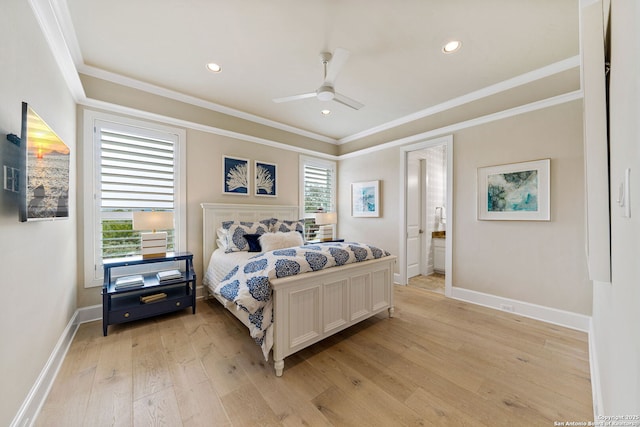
<point x="271" y="48"/>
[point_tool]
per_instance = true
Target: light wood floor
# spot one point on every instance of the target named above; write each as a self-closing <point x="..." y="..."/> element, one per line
<point x="437" y="362"/>
<point x="433" y="282"/>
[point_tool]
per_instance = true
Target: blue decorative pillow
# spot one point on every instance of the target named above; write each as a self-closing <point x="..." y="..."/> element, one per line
<point x="254" y="242"/>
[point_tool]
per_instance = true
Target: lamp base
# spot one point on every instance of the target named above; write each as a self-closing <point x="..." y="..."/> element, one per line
<point x="325" y="233"/>
<point x="153" y="245"/>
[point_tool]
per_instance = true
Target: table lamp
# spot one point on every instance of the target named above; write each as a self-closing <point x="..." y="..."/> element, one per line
<point x="325" y="221"/>
<point x="153" y="244"/>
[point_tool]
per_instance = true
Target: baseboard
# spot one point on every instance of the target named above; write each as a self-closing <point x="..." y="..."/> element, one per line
<point x="89" y="314"/>
<point x="396" y="279"/>
<point x="200" y="292"/>
<point x="596" y="391"/>
<point x="567" y="319"/>
<point x="37" y="395"/>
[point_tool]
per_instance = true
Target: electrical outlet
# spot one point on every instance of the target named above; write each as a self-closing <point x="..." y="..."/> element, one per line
<point x="506" y="307"/>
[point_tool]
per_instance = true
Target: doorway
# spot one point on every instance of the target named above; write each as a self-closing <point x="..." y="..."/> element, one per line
<point x="426" y="217"/>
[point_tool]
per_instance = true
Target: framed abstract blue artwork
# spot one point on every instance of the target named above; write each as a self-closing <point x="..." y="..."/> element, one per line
<point x="236" y="176"/>
<point x="266" y="181"/>
<point x="365" y="199"/>
<point x="516" y="191"/>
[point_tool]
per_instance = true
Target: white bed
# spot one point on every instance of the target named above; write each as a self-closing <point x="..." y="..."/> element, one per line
<point x="311" y="306"/>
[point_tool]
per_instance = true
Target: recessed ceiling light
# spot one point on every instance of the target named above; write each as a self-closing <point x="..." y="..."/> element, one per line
<point x="325" y="112"/>
<point x="213" y="67"/>
<point x="452" y="46"/>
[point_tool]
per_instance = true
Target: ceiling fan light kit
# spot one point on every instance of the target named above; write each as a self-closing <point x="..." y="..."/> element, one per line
<point x="332" y="64"/>
<point x="325" y="93"/>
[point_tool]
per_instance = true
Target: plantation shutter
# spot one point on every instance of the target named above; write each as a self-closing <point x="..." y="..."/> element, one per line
<point x="318" y="188"/>
<point x="319" y="192"/>
<point x="136" y="173"/>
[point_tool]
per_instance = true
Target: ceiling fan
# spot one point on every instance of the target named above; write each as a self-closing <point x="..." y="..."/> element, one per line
<point x="326" y="91"/>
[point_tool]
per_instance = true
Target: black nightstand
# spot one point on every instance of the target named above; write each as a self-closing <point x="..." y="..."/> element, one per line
<point x="151" y="297"/>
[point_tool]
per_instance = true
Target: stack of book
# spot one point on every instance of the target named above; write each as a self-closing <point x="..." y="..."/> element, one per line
<point x="127" y="282"/>
<point x="153" y="298"/>
<point x="163" y="276"/>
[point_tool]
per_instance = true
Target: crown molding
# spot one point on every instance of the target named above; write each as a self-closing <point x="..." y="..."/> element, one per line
<point x="141" y="114"/>
<point x="192" y="100"/>
<point x="520" y="80"/>
<point x="49" y="16"/>
<point x="522" y="109"/>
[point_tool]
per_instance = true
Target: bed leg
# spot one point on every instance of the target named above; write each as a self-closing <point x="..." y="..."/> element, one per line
<point x="391" y="310"/>
<point x="279" y="365"/>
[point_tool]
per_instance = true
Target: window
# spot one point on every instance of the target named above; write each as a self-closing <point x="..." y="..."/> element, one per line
<point x="132" y="166"/>
<point x="318" y="190"/>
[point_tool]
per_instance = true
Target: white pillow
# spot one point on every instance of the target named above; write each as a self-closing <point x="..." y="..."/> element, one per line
<point x="222" y="238"/>
<point x="280" y="240"/>
<point x="222" y="233"/>
<point x="222" y="244"/>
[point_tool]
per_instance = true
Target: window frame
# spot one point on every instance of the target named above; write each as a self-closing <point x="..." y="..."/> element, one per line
<point x="320" y="163"/>
<point x="93" y="271"/>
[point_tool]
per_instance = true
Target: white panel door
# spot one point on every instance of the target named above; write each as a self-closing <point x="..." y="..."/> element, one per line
<point x="414" y="213"/>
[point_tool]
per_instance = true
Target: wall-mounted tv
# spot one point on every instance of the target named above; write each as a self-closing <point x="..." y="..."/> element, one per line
<point x="44" y="171"/>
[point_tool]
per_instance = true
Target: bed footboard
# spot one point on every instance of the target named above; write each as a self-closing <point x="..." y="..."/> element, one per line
<point x="311" y="307"/>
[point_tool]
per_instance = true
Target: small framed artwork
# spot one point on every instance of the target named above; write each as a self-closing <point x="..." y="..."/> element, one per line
<point x="365" y="199"/>
<point x="515" y="192"/>
<point x="236" y="176"/>
<point x="266" y="181"/>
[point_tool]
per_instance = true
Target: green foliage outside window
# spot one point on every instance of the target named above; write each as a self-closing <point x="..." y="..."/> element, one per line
<point x="120" y="240"/>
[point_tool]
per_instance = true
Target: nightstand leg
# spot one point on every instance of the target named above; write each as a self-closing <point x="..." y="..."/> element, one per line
<point x="105" y="313"/>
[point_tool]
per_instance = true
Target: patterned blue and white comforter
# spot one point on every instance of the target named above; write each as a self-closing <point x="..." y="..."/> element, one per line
<point x="247" y="284"/>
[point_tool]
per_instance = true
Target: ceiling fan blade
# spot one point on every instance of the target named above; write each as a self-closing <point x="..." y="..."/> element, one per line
<point x="295" y="97"/>
<point x="345" y="100"/>
<point x="338" y="59"/>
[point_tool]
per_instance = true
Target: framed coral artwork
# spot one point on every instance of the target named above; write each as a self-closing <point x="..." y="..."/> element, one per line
<point x="266" y="179"/>
<point x="236" y="176"/>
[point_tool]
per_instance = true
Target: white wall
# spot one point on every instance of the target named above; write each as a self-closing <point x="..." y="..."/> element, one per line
<point x="616" y="306"/>
<point x="383" y="231"/>
<point x="37" y="259"/>
<point x="540" y="263"/>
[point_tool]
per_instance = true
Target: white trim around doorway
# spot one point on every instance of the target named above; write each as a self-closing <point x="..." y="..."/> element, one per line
<point x="402" y="256"/>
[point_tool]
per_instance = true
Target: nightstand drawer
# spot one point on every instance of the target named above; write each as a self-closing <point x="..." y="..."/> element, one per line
<point x="150" y="309"/>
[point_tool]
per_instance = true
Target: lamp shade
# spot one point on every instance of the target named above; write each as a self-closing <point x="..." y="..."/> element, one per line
<point x="152" y="220"/>
<point x="323" y="218"/>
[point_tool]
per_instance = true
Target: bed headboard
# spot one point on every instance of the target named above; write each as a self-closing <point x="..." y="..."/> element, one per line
<point x="214" y="213"/>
